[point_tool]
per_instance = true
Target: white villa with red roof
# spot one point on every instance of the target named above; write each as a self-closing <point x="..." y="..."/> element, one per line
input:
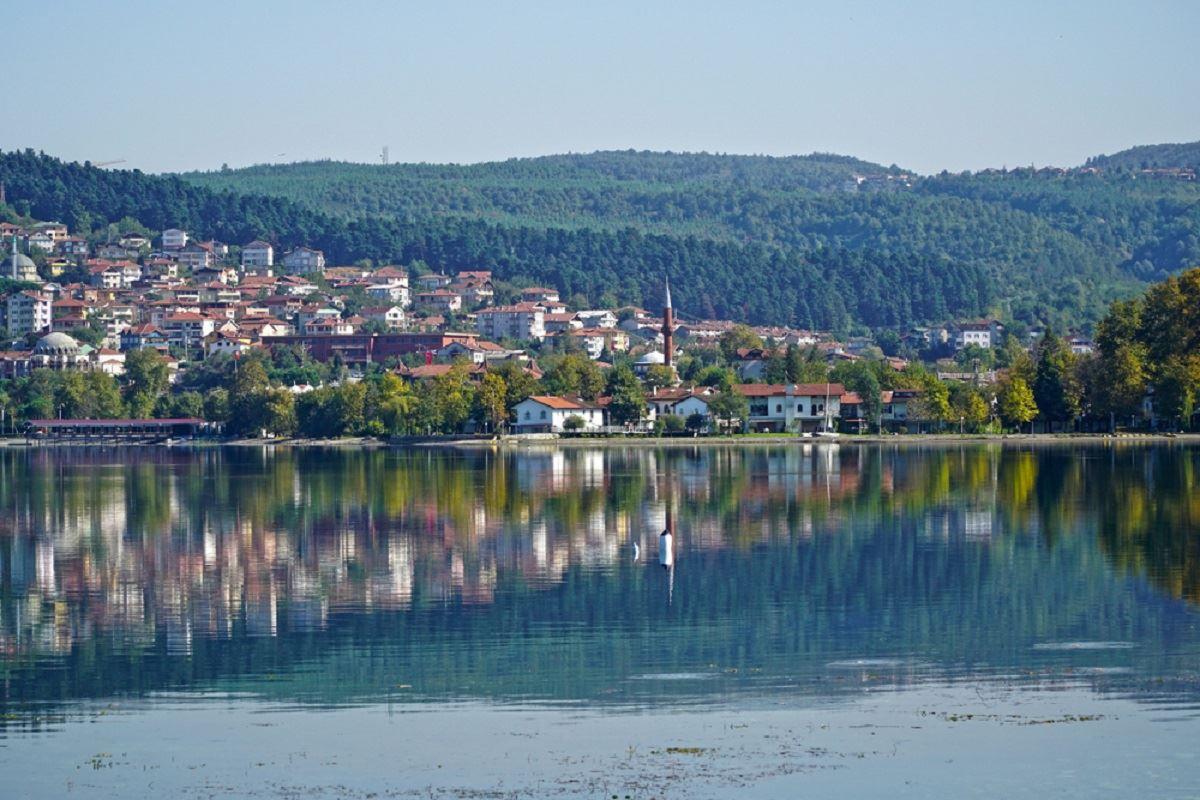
<point x="791" y="407"/>
<point x="549" y="414"/>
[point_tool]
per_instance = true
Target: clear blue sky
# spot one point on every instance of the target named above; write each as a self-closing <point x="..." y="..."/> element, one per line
<point x="926" y="84"/>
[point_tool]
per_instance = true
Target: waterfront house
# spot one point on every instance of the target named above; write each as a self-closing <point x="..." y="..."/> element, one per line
<point x="792" y="407"/>
<point x="549" y="414"/>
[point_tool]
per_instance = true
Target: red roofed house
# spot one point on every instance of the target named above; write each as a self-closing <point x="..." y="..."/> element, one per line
<point x="792" y="407"/>
<point x="549" y="414"/>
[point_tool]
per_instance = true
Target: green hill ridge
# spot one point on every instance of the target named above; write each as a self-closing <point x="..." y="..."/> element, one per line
<point x="820" y="241"/>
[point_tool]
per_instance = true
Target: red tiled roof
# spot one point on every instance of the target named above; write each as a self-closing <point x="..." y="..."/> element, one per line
<point x="799" y="389"/>
<point x="560" y="403"/>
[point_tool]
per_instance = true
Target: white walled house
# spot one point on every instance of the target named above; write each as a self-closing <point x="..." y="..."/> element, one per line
<point x="258" y="254"/>
<point x="28" y="312"/>
<point x="390" y="291"/>
<point x="984" y="334"/>
<point x="676" y="403"/>
<point x="174" y="239"/>
<point x="392" y="316"/>
<point x="303" y="260"/>
<point x="521" y="321"/>
<point x="601" y="318"/>
<point x="196" y="256"/>
<point x="549" y="414"/>
<point x="793" y="407"/>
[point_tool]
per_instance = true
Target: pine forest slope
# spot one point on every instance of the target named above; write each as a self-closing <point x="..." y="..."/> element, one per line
<point x="821" y="241"/>
<point x="1053" y="245"/>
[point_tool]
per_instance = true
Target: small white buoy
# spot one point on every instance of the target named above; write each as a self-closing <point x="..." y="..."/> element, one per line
<point x="637" y="551"/>
<point x="666" y="549"/>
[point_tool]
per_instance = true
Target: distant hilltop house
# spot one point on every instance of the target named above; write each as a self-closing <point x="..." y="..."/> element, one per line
<point x="134" y="241"/>
<point x="539" y="294"/>
<point x="174" y="239"/>
<point x="984" y="333"/>
<point x="27" y="312"/>
<point x="431" y="281"/>
<point x="197" y="255"/>
<point x="521" y="321"/>
<point x="258" y="254"/>
<point x="443" y="300"/>
<point x="302" y="259"/>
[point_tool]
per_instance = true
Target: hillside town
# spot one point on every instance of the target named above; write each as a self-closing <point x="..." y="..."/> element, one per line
<point x="88" y="304"/>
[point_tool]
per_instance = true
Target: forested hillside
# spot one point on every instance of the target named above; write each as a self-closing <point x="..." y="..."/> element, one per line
<point x="1185" y="155"/>
<point x="821" y="241"/>
<point x="1051" y="246"/>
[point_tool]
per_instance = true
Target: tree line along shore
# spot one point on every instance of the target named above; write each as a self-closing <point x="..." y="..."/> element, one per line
<point x="1144" y="376"/>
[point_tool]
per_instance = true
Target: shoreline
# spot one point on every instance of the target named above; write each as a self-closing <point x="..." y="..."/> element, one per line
<point x="583" y="442"/>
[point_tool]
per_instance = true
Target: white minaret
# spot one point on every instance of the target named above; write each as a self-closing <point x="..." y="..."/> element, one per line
<point x="13" y="270"/>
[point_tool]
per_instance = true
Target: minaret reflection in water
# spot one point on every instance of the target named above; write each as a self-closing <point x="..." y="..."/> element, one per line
<point x="666" y="551"/>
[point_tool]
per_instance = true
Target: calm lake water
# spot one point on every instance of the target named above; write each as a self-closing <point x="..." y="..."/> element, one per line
<point x="892" y="621"/>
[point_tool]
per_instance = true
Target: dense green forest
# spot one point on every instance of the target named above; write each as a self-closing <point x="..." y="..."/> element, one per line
<point x="1151" y="156"/>
<point x="1050" y="246"/>
<point x="817" y="241"/>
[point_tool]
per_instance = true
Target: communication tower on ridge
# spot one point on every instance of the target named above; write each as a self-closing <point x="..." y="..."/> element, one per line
<point x="383" y="156"/>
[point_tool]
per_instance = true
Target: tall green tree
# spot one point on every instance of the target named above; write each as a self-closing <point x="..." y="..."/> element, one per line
<point x="1055" y="389"/>
<point x="492" y="401"/>
<point x="728" y="408"/>
<point x="147" y="378"/>
<point x="628" y="404"/>
<point x="1015" y="402"/>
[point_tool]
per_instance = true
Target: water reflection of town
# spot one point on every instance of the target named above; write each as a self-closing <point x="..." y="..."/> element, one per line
<point x="152" y="546"/>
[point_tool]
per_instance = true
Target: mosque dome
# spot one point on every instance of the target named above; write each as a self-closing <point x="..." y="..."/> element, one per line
<point x="24" y="262"/>
<point x="651" y="358"/>
<point x="56" y="344"/>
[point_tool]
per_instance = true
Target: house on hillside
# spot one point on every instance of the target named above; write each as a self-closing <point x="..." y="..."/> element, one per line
<point x="304" y="260"/>
<point x="521" y="321"/>
<point x="174" y="239"/>
<point x="984" y="333"/>
<point x="258" y="254"/>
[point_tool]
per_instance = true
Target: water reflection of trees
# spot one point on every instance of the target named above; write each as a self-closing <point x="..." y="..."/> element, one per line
<point x="171" y="553"/>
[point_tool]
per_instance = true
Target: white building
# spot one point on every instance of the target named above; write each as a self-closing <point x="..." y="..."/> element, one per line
<point x="549" y="414"/>
<point x="792" y="407"/>
<point x="196" y="256"/>
<point x="601" y="318"/>
<point x="42" y="241"/>
<point x="984" y="334"/>
<point x="302" y="259"/>
<point x="258" y="254"/>
<point x="443" y="300"/>
<point x="28" y="312"/>
<point x="521" y="321"/>
<point x="174" y="239"/>
<point x="539" y="294"/>
<point x="391" y="316"/>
